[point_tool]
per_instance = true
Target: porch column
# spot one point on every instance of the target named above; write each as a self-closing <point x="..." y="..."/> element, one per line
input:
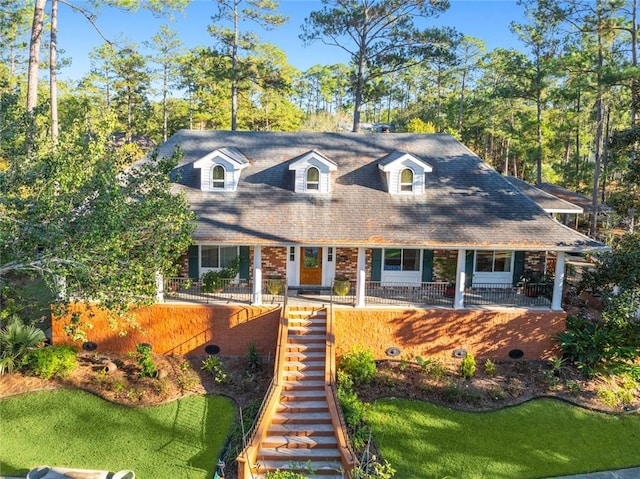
<point x="461" y="276"/>
<point x="361" y="279"/>
<point x="558" y="282"/>
<point x="159" y="287"/>
<point x="257" y="275"/>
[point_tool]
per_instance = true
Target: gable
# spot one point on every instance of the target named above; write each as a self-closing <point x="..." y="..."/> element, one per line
<point x="220" y="169"/>
<point x="404" y="173"/>
<point x="312" y="173"/>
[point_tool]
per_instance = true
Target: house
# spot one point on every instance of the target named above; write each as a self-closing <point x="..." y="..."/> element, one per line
<point x="381" y="209"/>
<point x="440" y="251"/>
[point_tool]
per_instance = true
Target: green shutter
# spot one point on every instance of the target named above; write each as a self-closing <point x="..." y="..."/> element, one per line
<point x="518" y="266"/>
<point x="194" y="262"/>
<point x="427" y="266"/>
<point x="244" y="262"/>
<point x="376" y="264"/>
<point x="469" y="267"/>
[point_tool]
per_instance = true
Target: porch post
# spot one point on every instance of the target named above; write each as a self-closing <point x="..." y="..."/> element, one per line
<point x="361" y="279"/>
<point x="458" y="300"/>
<point x="159" y="287"/>
<point x="558" y="282"/>
<point x="257" y="275"/>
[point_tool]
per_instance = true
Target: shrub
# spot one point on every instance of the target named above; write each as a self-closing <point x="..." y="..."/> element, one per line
<point x="253" y="358"/>
<point x="144" y="360"/>
<point x="15" y="340"/>
<point x="468" y="366"/>
<point x="359" y="365"/>
<point x="490" y="368"/>
<point x="51" y="361"/>
<point x="213" y="365"/>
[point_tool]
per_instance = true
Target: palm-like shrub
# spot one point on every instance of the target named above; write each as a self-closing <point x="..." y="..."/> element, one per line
<point x="15" y="340"/>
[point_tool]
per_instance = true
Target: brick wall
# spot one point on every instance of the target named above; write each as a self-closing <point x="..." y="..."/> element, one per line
<point x="184" y="329"/>
<point x="535" y="261"/>
<point x="347" y="262"/>
<point x="437" y="333"/>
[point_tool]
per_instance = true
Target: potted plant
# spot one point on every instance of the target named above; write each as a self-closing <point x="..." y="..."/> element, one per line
<point x="535" y="284"/>
<point x="275" y="284"/>
<point x="341" y="285"/>
<point x="447" y="269"/>
<point x="215" y="281"/>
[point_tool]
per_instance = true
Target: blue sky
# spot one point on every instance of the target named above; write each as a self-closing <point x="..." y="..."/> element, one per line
<point x="485" y="19"/>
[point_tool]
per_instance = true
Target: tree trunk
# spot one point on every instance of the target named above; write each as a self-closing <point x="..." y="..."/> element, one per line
<point x="234" y="70"/>
<point x="598" y="138"/>
<point x="165" y="74"/>
<point x="357" y="104"/>
<point x="34" y="54"/>
<point x="53" y="67"/>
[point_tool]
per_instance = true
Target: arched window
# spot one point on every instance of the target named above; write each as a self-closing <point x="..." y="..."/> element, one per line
<point x="406" y="180"/>
<point x="313" y="178"/>
<point x="217" y="177"/>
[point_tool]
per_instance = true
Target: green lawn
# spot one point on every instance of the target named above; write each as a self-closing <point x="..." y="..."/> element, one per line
<point x="541" y="438"/>
<point x="181" y="439"/>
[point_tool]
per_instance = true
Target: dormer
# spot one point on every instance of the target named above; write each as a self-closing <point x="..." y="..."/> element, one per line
<point x="404" y="173"/>
<point x="220" y="169"/>
<point x="312" y="172"/>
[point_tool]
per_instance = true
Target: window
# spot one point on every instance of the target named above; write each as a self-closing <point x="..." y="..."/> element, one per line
<point x="217" y="177"/>
<point x="313" y="179"/>
<point x="406" y="180"/>
<point x="402" y="260"/>
<point x="330" y="254"/>
<point x="218" y="256"/>
<point x="493" y="261"/>
<point x="292" y="253"/>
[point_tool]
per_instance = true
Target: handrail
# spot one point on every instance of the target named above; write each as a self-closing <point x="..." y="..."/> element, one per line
<point x="347" y="455"/>
<point x="248" y="457"/>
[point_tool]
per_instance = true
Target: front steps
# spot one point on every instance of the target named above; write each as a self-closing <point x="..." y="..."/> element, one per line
<point x="300" y="436"/>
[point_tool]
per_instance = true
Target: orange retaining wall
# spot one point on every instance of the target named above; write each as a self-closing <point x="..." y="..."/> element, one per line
<point x="183" y="329"/>
<point x="437" y="333"/>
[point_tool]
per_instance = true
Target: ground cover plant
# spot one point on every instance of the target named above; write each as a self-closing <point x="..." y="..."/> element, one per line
<point x="541" y="438"/>
<point x="73" y="428"/>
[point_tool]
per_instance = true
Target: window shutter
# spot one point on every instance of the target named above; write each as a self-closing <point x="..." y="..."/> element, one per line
<point x="518" y="266"/>
<point x="427" y="266"/>
<point x="376" y="264"/>
<point x="194" y="262"/>
<point x="244" y="262"/>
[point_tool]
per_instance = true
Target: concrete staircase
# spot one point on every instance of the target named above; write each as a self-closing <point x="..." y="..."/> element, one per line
<point x="300" y="436"/>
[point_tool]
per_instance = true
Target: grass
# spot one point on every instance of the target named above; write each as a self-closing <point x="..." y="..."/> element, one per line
<point x="541" y="438"/>
<point x="76" y="429"/>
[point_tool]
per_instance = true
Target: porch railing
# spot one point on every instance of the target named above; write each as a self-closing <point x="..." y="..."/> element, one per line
<point x="498" y="294"/>
<point x="225" y="290"/>
<point x="428" y="294"/>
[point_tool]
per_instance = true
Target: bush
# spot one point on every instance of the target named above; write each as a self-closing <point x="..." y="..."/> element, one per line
<point x="359" y="365"/>
<point x="51" y="361"/>
<point x="214" y="366"/>
<point x="15" y="340"/>
<point x="253" y="358"/>
<point x="468" y="366"/>
<point x="490" y="368"/>
<point x="145" y="361"/>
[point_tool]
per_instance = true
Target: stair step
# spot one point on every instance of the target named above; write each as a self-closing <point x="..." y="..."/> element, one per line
<point x="320" y="429"/>
<point x="307" y="330"/>
<point x="299" y="442"/>
<point x="302" y="375"/>
<point x="307" y="338"/>
<point x="324" y="469"/>
<point x="302" y="395"/>
<point x="304" y="348"/>
<point x="302" y="406"/>
<point x="302" y="355"/>
<point x="304" y="366"/>
<point x="296" y="454"/>
<point x="304" y="385"/>
<point x="310" y="418"/>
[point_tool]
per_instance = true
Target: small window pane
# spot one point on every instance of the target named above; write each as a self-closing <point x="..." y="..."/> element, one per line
<point x="406" y="180"/>
<point x="228" y="255"/>
<point x="484" y="261"/>
<point x="292" y="253"/>
<point x="313" y="178"/>
<point x="311" y="256"/>
<point x="217" y="177"/>
<point x="209" y="256"/>
<point x="502" y="261"/>
<point x="392" y="259"/>
<point x="411" y="260"/>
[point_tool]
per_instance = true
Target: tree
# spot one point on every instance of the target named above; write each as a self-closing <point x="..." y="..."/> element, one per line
<point x="234" y="42"/>
<point x="379" y="36"/>
<point x="73" y="217"/>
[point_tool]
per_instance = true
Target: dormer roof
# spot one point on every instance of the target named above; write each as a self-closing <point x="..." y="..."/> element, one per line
<point x="404" y="173"/>
<point x="220" y="169"/>
<point x="312" y="171"/>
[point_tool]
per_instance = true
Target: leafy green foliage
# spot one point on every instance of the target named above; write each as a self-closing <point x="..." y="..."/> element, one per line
<point x="254" y="361"/>
<point x="51" y="361"/>
<point x="214" y="366"/>
<point x="373" y="469"/>
<point x="285" y="475"/>
<point x="359" y="365"/>
<point x="468" y="366"/>
<point x="16" y="339"/>
<point x="353" y="410"/>
<point x="490" y="368"/>
<point x="145" y="361"/>
<point x="213" y="281"/>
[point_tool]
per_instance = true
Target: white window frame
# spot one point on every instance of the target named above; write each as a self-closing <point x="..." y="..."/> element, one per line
<point x="493" y="277"/>
<point x="215" y="183"/>
<point x="204" y="269"/>
<point x="312" y="186"/>
<point x="404" y="185"/>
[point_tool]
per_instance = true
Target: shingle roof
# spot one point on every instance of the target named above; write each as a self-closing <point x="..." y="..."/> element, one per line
<point x="572" y="196"/>
<point x="546" y="201"/>
<point x="467" y="204"/>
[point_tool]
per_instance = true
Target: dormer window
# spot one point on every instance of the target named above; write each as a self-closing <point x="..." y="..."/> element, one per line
<point x="313" y="178"/>
<point x="218" y="174"/>
<point x="312" y="172"/>
<point x="220" y="170"/>
<point x="404" y="173"/>
<point x="406" y="180"/>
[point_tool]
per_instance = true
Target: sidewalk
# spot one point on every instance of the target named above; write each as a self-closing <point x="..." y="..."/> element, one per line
<point x="632" y="473"/>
